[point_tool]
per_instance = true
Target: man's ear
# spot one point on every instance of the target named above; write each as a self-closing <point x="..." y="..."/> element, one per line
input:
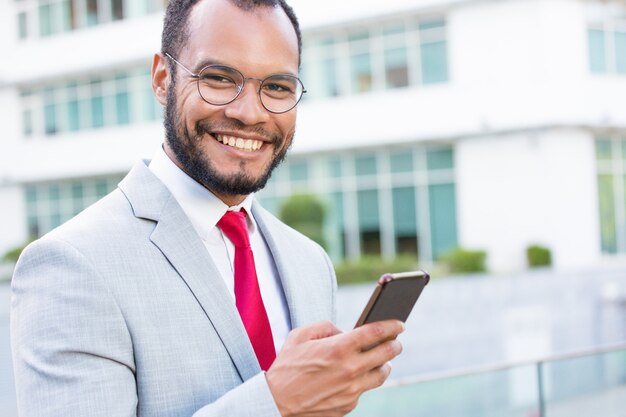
<point x="160" y="78"/>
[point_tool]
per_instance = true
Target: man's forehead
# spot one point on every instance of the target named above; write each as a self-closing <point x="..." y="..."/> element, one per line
<point x="220" y="29"/>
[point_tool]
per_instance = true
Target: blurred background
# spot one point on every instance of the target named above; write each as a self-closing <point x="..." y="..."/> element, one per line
<point x="484" y="140"/>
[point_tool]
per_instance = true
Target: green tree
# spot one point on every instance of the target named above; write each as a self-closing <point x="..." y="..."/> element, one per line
<point x="305" y="213"/>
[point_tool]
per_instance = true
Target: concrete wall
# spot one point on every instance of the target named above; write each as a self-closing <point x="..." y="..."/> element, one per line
<point x="543" y="192"/>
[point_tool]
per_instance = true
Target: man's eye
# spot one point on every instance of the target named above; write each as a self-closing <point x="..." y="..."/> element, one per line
<point x="277" y="88"/>
<point x="217" y="79"/>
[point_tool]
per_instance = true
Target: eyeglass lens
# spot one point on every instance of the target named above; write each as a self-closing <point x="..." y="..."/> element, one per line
<point x="220" y="85"/>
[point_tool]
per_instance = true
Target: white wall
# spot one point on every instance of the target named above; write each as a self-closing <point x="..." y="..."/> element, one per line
<point x="529" y="188"/>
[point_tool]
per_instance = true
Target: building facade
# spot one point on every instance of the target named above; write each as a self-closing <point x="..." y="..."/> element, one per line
<point x="427" y="124"/>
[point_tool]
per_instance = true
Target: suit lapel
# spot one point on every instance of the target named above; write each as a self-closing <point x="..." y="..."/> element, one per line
<point x="293" y="279"/>
<point x="180" y="244"/>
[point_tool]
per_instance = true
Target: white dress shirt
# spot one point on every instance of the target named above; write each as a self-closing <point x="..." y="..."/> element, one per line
<point x="204" y="210"/>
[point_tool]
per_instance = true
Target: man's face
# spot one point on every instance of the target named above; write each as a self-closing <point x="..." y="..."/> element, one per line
<point x="258" y="43"/>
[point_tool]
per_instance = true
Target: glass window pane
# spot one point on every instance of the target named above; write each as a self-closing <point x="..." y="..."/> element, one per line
<point x="117" y="9"/>
<point x="334" y="167"/>
<point x="439" y="159"/>
<point x="31" y="195"/>
<point x="92" y="12"/>
<point x="66" y="15"/>
<point x="396" y="68"/>
<point x="402" y="161"/>
<point x="50" y="123"/>
<point x="620" y="52"/>
<point x="442" y="202"/>
<point x="122" y="108"/>
<point x="73" y="117"/>
<point x="54" y="192"/>
<point x="597" y="51"/>
<point x="404" y="213"/>
<point x="330" y="83"/>
<point x="27" y="122"/>
<point x="22" y="25"/>
<point x="358" y="36"/>
<point x="603" y="149"/>
<point x="45" y="20"/>
<point x="55" y="219"/>
<point x="97" y="111"/>
<point x="336" y="222"/>
<point x="97" y="104"/>
<point x="367" y="201"/>
<point x="431" y="24"/>
<point x="395" y="29"/>
<point x="77" y="197"/>
<point x="607" y="214"/>
<point x="361" y="73"/>
<point x="72" y="108"/>
<point x="298" y="170"/>
<point x="434" y="62"/>
<point x="369" y="228"/>
<point x="102" y="188"/>
<point x="365" y="165"/>
<point x="148" y="105"/>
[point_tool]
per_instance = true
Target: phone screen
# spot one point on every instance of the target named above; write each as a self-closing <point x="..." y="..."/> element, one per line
<point x="394" y="297"/>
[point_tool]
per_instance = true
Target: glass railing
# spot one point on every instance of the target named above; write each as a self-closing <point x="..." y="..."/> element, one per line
<point x="582" y="384"/>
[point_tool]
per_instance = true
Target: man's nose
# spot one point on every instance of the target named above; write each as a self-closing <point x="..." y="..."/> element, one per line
<point x="247" y="108"/>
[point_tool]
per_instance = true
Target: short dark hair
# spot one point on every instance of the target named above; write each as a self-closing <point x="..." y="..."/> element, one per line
<point x="175" y="32"/>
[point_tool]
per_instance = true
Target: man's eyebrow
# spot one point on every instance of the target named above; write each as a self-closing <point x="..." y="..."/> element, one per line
<point x="212" y="61"/>
<point x="206" y="62"/>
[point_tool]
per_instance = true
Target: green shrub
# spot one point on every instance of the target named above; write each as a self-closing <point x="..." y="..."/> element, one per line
<point x="370" y="268"/>
<point x="305" y="213"/>
<point x="13" y="254"/>
<point x="538" y="256"/>
<point x="463" y="261"/>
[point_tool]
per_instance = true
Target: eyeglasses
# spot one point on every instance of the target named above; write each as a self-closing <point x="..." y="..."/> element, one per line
<point x="220" y="85"/>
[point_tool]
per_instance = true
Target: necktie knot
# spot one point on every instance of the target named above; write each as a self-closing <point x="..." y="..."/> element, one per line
<point x="234" y="226"/>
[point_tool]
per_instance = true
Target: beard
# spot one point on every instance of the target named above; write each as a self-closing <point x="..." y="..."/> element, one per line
<point x="186" y="146"/>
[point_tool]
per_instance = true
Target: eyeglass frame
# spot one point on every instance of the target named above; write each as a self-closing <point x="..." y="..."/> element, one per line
<point x="239" y="88"/>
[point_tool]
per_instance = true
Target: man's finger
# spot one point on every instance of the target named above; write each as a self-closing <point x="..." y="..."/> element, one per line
<point x="372" y="334"/>
<point x="319" y="330"/>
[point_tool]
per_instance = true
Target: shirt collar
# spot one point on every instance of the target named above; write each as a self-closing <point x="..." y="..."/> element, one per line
<point x="203" y="208"/>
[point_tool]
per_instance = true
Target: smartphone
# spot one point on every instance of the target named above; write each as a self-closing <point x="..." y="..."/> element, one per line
<point x="394" y="297"/>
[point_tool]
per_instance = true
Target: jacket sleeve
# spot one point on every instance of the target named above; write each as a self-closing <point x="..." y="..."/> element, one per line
<point x="73" y="353"/>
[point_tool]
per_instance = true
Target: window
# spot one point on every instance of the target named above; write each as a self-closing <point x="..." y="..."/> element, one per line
<point x="399" y="200"/>
<point x="607" y="47"/>
<point x="611" y="168"/>
<point x="119" y="99"/>
<point x="51" y="17"/>
<point x="369" y="225"/>
<point x="360" y="62"/>
<point x="433" y="52"/>
<point x="393" y="54"/>
<point x="405" y="219"/>
<point x="48" y="205"/>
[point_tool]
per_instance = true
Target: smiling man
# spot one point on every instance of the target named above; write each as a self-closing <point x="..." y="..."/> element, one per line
<point x="178" y="294"/>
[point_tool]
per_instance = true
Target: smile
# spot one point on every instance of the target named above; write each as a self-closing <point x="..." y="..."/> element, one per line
<point x="249" y="145"/>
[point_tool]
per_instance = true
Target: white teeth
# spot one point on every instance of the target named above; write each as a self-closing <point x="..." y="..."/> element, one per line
<point x="240" y="143"/>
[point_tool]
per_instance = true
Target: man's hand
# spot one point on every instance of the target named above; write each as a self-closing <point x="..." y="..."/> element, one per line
<point x="321" y="371"/>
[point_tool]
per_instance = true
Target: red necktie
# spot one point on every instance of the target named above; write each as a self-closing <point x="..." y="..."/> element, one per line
<point x="247" y="294"/>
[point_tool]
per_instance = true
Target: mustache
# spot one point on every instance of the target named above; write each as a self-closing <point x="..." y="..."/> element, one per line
<point x="204" y="127"/>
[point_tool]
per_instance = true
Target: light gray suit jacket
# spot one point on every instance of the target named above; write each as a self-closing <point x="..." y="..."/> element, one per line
<point x="121" y="312"/>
